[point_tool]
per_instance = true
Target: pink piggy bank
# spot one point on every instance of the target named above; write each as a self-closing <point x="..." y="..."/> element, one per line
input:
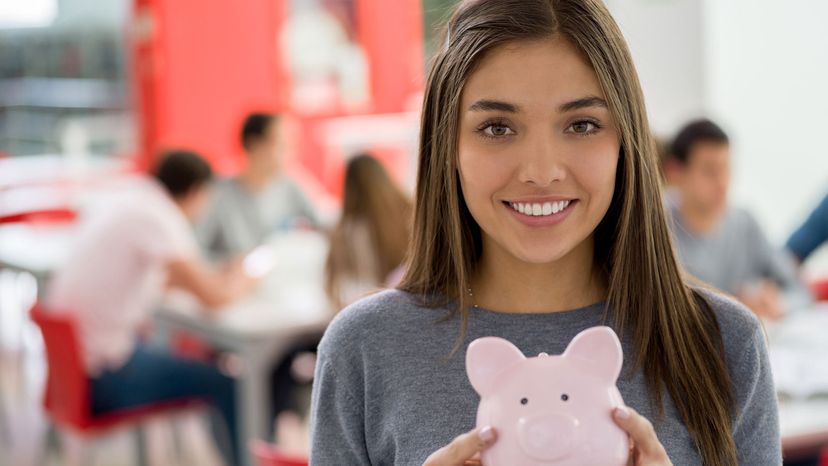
<point x="550" y="410"/>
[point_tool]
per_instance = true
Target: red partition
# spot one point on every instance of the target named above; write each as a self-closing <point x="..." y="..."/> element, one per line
<point x="200" y="67"/>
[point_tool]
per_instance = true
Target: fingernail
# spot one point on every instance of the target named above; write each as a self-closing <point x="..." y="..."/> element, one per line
<point x="622" y="412"/>
<point x="487" y="434"/>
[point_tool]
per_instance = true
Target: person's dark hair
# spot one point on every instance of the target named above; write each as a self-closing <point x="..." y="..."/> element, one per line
<point x="254" y="128"/>
<point x="181" y="171"/>
<point x="694" y="133"/>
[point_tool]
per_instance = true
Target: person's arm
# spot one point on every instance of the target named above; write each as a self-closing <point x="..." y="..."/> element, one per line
<point x="812" y="233"/>
<point x="780" y="269"/>
<point x="211" y="230"/>
<point x="337" y="422"/>
<point x="303" y="206"/>
<point x="756" y="421"/>
<point x="213" y="289"/>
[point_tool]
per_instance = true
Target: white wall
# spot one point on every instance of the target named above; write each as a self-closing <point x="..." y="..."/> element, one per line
<point x="760" y="69"/>
<point x="767" y="75"/>
<point x="665" y="39"/>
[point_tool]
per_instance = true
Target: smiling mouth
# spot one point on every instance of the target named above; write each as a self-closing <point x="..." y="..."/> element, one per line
<point x="539" y="209"/>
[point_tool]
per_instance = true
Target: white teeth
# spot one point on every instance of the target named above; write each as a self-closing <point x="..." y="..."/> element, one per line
<point x="536" y="210"/>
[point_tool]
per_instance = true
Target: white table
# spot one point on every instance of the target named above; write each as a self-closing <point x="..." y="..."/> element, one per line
<point x="288" y="308"/>
<point x="37" y="249"/>
<point x="35" y="183"/>
<point x="798" y="348"/>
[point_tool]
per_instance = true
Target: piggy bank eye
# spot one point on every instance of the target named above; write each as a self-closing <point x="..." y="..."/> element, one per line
<point x="523" y="401"/>
<point x="565" y="397"/>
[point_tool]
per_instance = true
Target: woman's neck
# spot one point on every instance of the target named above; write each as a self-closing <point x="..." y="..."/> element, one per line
<point x="507" y="284"/>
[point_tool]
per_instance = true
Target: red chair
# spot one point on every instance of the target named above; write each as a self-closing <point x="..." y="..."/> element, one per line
<point x="66" y="395"/>
<point x="268" y="455"/>
<point x="823" y="459"/>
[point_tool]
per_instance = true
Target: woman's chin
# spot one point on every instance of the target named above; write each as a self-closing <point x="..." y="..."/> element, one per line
<point x="539" y="256"/>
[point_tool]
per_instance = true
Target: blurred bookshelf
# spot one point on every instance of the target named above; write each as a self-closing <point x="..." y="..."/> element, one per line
<point x="62" y="87"/>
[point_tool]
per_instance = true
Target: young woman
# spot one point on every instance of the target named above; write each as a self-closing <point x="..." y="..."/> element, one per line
<point x="538" y="215"/>
<point x="371" y="239"/>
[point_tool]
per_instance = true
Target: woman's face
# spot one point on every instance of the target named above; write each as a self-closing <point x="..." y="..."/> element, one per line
<point x="538" y="150"/>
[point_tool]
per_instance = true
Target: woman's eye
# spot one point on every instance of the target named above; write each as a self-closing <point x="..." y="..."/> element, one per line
<point x="497" y="130"/>
<point x="583" y="127"/>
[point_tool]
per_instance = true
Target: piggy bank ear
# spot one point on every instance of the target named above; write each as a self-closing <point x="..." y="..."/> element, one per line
<point x="599" y="349"/>
<point x="486" y="358"/>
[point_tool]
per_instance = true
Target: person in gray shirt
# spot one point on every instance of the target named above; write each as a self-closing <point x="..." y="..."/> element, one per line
<point x="245" y="210"/>
<point x="718" y="243"/>
<point x="538" y="214"/>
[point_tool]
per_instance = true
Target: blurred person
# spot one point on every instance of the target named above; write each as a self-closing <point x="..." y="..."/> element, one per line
<point x="368" y="247"/>
<point x="125" y="255"/>
<point x="810" y="235"/>
<point x="370" y="242"/>
<point x="718" y="243"/>
<point x="245" y="210"/>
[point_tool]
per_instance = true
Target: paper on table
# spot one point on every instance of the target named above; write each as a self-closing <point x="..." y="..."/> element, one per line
<point x="799" y="354"/>
<point x="260" y="261"/>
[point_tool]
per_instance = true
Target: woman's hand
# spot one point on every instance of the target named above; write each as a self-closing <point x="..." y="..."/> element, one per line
<point x="463" y="450"/>
<point x="645" y="449"/>
<point x="764" y="299"/>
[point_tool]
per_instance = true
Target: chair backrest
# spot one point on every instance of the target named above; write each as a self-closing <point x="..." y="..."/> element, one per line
<point x="66" y="397"/>
<point x="268" y="455"/>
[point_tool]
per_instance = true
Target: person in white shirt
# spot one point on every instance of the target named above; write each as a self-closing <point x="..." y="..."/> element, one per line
<point x="126" y="254"/>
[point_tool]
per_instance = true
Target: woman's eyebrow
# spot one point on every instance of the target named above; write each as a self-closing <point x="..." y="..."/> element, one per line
<point x="487" y="105"/>
<point x="484" y="105"/>
<point x="583" y="102"/>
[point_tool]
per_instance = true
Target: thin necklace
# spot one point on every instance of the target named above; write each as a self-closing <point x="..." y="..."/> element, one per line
<point x="471" y="295"/>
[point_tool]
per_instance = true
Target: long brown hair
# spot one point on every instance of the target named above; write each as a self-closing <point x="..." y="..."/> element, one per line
<point x="677" y="340"/>
<point x="375" y="204"/>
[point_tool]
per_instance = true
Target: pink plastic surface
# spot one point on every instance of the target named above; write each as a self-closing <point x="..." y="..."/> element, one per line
<point x="550" y="410"/>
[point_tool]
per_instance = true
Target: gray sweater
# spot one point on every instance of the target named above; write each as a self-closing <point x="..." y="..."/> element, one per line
<point x="237" y="220"/>
<point x="737" y="255"/>
<point x="387" y="393"/>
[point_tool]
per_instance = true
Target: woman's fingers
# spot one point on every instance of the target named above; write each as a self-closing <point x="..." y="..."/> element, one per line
<point x="648" y="449"/>
<point x="463" y="448"/>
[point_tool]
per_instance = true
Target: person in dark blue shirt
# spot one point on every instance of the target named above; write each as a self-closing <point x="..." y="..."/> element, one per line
<point x="811" y="234"/>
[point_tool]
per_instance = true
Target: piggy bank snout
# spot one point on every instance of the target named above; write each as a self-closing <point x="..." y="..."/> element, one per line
<point x="548" y="437"/>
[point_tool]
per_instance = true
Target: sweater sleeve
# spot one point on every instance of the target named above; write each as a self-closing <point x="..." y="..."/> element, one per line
<point x="337" y="411"/>
<point x="756" y="422"/>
